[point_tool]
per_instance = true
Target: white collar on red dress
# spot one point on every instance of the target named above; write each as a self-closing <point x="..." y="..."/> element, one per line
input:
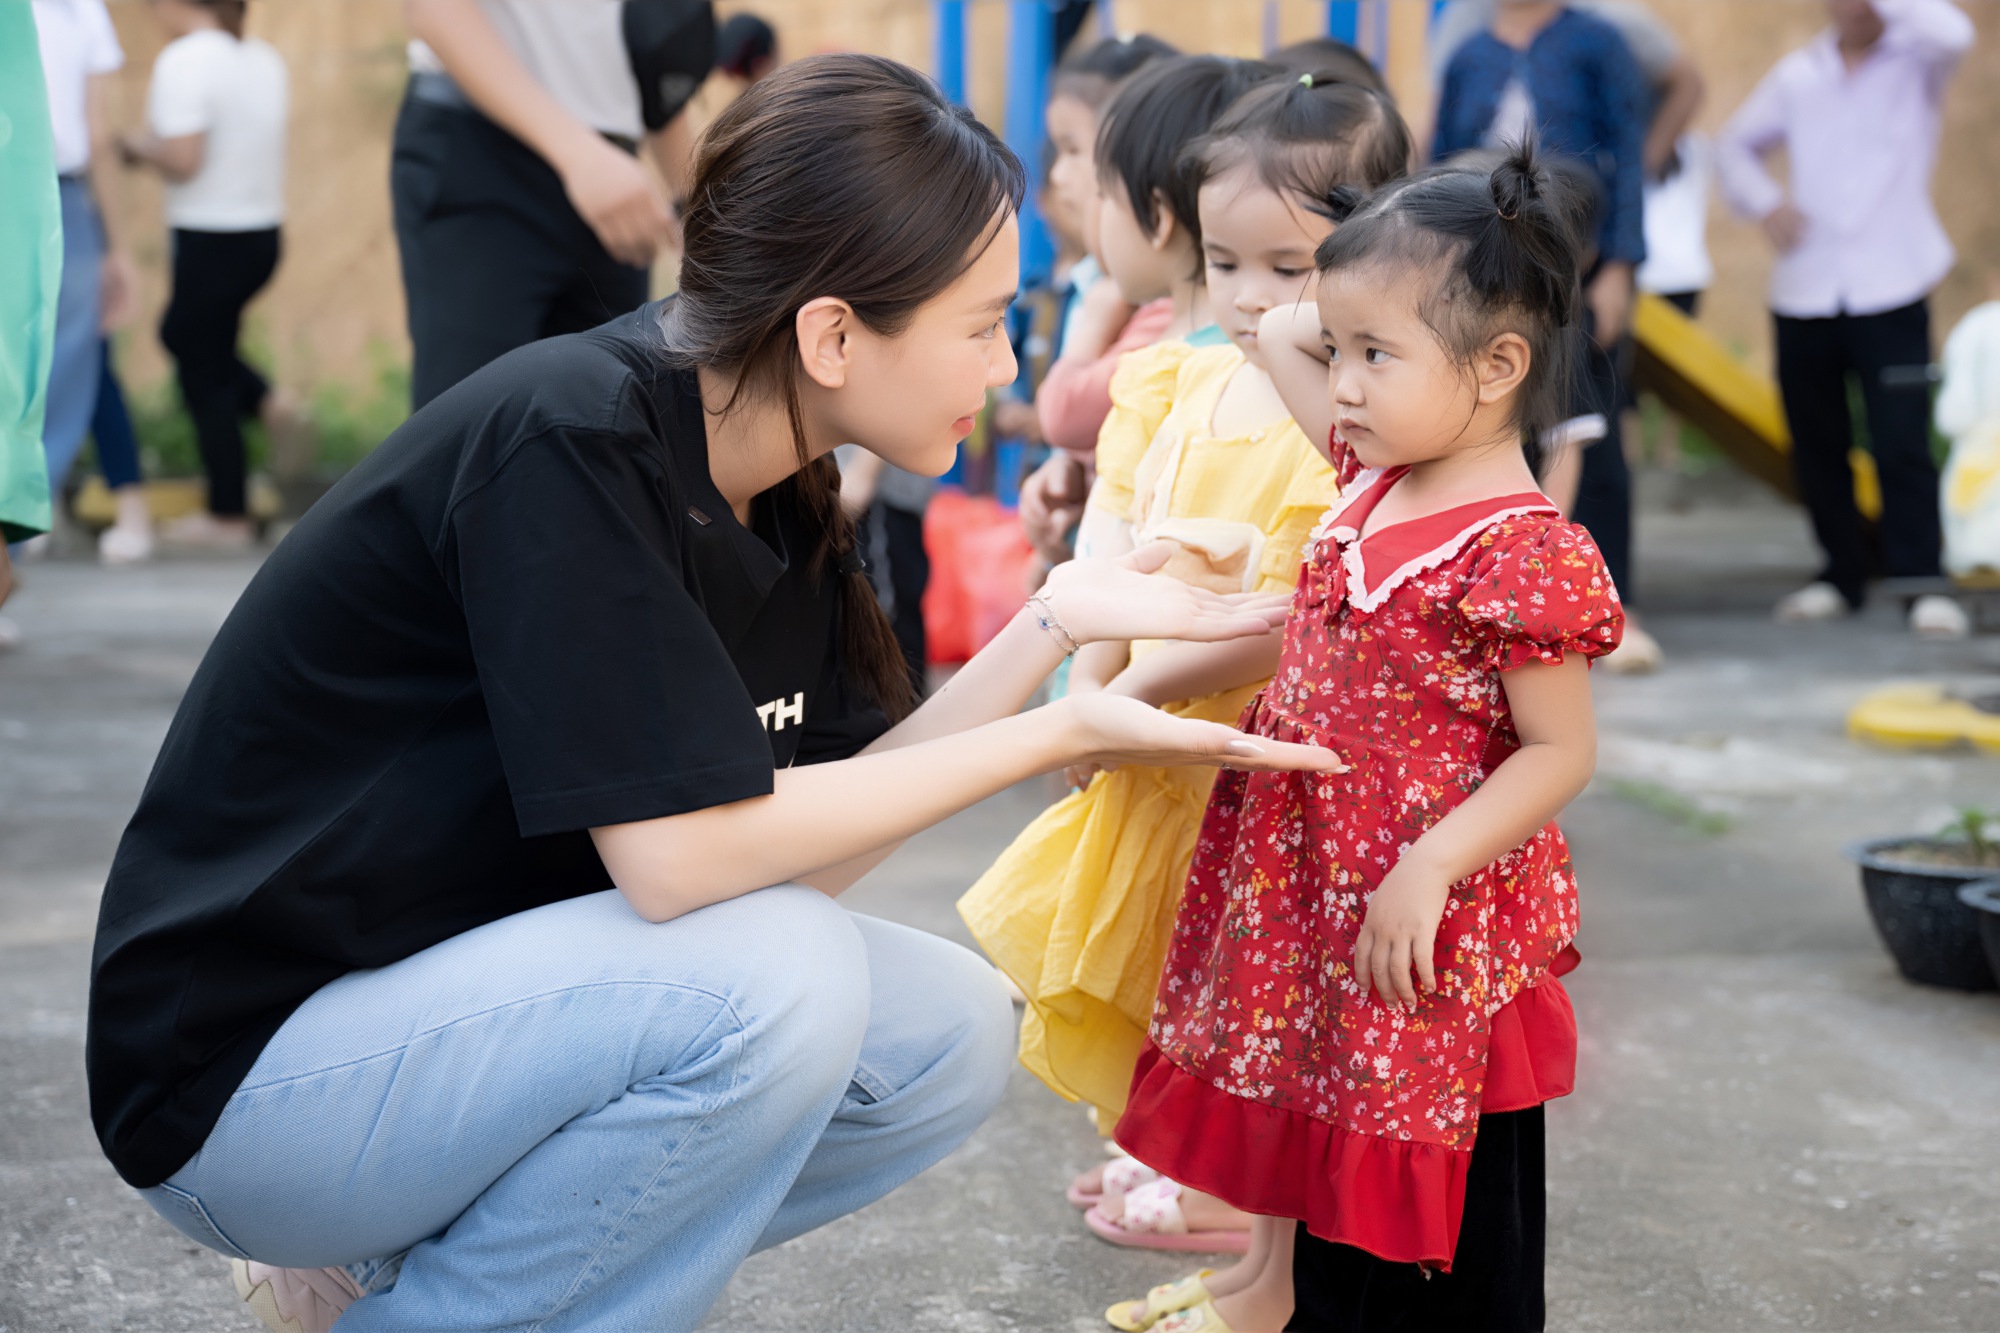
<point x="1414" y="545"/>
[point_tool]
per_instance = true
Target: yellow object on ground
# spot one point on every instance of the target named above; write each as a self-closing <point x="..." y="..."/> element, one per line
<point x="168" y="498"/>
<point x="1734" y="406"/>
<point x="1925" y="717"/>
<point x="1080" y="909"/>
<point x="1163" y="1300"/>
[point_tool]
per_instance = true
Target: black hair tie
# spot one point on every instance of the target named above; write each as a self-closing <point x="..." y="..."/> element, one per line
<point x="851" y="561"/>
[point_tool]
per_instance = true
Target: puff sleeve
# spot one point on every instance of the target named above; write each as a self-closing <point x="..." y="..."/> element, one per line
<point x="1539" y="591"/>
<point x="1142" y="393"/>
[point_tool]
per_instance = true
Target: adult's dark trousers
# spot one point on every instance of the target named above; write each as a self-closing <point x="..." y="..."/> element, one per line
<point x="1889" y="355"/>
<point x="1604" y="487"/>
<point x="494" y="255"/>
<point x="215" y="273"/>
<point x="1495" y="1282"/>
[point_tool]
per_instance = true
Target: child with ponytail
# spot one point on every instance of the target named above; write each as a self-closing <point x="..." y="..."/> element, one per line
<point x="1360" y="1016"/>
<point x="1201" y="453"/>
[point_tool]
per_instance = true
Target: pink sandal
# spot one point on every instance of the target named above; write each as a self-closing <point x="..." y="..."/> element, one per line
<point x="1119" y="1177"/>
<point x="1153" y="1221"/>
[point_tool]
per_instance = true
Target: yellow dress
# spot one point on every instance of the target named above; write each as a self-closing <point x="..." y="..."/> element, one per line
<point x="1080" y="909"/>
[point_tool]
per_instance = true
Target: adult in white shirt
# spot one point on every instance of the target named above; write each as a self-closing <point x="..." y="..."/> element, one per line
<point x="1859" y="250"/>
<point x="521" y="208"/>
<point x="79" y="54"/>
<point x="216" y="116"/>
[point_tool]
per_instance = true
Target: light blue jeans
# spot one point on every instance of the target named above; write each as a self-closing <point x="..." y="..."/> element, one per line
<point x="574" y="1119"/>
<point x="76" y="356"/>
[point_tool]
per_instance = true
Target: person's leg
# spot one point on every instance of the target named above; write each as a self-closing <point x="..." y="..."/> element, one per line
<point x="1812" y="379"/>
<point x="74" y="361"/>
<point x="1604" y="488"/>
<point x="129" y="539"/>
<point x="933" y="1065"/>
<point x="569" y="1118"/>
<point x="1496" y="1280"/>
<point x="1892" y="353"/>
<point x="215" y="274"/>
<point x="111" y="426"/>
<point x="599" y="287"/>
<point x="478" y="226"/>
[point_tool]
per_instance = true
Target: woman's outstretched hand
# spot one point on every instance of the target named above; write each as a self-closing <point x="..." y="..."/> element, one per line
<point x="1127" y="599"/>
<point x="1112" y="729"/>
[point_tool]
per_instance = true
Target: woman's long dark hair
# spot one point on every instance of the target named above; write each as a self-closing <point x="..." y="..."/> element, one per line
<point x="837" y="175"/>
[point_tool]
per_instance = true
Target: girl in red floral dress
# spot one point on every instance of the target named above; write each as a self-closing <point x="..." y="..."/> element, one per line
<point x="1360" y="1018"/>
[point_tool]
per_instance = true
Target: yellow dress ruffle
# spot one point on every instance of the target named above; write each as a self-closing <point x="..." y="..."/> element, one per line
<point x="1079" y="910"/>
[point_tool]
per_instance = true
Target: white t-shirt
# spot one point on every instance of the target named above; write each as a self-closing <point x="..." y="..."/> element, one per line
<point x="77" y="41"/>
<point x="238" y="94"/>
<point x="575" y="49"/>
<point x="1676" y="221"/>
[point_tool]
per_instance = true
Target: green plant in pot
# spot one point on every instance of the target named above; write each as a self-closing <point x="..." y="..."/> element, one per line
<point x="1912" y="886"/>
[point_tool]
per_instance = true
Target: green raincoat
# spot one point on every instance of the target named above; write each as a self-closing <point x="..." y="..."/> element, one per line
<point x="30" y="273"/>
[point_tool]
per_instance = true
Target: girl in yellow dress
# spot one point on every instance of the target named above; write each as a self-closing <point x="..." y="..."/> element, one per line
<point x="1198" y="452"/>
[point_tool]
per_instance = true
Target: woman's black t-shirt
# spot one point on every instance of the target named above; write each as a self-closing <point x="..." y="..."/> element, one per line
<point x="527" y="614"/>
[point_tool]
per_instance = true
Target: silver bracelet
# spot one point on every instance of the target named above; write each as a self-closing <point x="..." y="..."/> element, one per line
<point x="1054" y="628"/>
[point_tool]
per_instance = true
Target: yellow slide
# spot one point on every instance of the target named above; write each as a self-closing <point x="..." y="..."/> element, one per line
<point x="1705" y="385"/>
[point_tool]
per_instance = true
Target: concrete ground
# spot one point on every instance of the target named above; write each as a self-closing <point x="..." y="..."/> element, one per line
<point x="1771" y="1129"/>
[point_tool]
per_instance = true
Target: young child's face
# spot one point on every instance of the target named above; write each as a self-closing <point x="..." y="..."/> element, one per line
<point x="1396" y="393"/>
<point x="1072" y="126"/>
<point x="1257" y="246"/>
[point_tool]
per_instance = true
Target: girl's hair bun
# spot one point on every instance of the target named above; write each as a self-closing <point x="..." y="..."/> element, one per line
<point x="1516" y="182"/>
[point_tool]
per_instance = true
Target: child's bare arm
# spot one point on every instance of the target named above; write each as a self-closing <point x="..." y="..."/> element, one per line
<point x="1552" y="714"/>
<point x="1178" y="671"/>
<point x="1296" y="360"/>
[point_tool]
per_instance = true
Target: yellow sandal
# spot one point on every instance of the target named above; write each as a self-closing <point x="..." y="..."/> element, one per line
<point x="1200" y="1318"/>
<point x="1161" y="1301"/>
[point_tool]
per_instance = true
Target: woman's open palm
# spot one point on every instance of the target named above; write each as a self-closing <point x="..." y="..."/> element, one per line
<point x="1126" y="599"/>
<point x="1118" y="730"/>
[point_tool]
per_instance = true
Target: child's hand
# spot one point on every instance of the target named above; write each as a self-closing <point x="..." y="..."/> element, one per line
<point x="1399" y="934"/>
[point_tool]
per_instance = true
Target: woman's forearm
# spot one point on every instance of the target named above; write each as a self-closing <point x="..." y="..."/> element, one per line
<point x="825" y="815"/>
<point x="994" y="684"/>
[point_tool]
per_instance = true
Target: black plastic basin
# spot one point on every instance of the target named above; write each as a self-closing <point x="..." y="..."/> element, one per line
<point x="1933" y="936"/>
<point x="1983" y="897"/>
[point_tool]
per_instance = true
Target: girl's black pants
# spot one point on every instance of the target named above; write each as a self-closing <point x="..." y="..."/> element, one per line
<point x="1495" y="1282"/>
<point x="215" y="273"/>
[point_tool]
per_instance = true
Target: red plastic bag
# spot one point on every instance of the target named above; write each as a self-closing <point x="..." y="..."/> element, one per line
<point x="979" y="571"/>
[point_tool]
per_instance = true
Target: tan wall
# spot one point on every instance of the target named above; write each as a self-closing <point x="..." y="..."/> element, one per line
<point x="336" y="300"/>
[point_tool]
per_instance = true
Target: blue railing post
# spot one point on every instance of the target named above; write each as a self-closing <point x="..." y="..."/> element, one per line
<point x="1343" y="20"/>
<point x="1030" y="53"/>
<point x="950" y="53"/>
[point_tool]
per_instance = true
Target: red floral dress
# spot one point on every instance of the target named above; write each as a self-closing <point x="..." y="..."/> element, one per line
<point x="1269" y="1080"/>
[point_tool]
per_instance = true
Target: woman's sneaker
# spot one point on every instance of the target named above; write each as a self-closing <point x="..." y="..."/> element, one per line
<point x="294" y="1300"/>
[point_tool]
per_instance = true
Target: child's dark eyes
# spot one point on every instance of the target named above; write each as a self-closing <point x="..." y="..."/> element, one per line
<point x="1222" y="266"/>
<point x="1374" y="353"/>
<point x="991" y="330"/>
<point x="1291" y="272"/>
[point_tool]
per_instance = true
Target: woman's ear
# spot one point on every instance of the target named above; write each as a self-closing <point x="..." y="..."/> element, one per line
<point x="1501" y="366"/>
<point x="823" y="325"/>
